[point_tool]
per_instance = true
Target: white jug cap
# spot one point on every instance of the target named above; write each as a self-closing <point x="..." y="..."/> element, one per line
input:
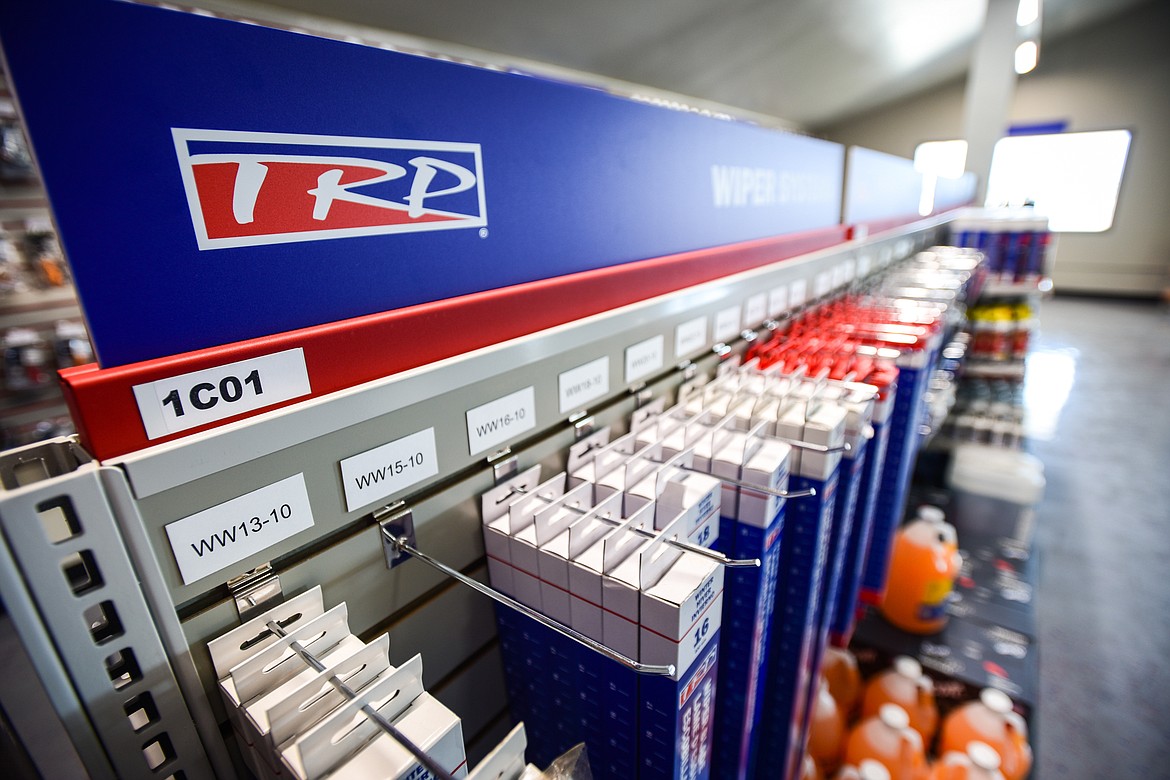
<point x="932" y="514"/>
<point x="908" y="667"/>
<point x="869" y="769"/>
<point x="996" y="701"/>
<point x="894" y="716"/>
<point x="983" y="755"/>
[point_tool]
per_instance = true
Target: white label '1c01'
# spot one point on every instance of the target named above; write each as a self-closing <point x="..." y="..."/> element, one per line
<point x="189" y="400"/>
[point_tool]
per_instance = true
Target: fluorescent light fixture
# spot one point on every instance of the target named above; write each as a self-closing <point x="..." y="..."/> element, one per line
<point x="1027" y="55"/>
<point x="1028" y="12"/>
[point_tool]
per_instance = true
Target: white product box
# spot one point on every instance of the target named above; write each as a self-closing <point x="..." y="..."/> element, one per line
<point x="236" y="646"/>
<point x="255" y="685"/>
<point x="603" y="461"/>
<point x="506" y="761"/>
<point x="315" y="700"/>
<point x="587" y="566"/>
<point x="620" y="591"/>
<point x="859" y="402"/>
<point x="498" y="521"/>
<point x="297" y="712"/>
<point x="681" y="603"/>
<point x="694" y="497"/>
<point x="349" y="745"/>
<point x="767" y="467"/>
<point x="554" y="531"/>
<point x="790" y="425"/>
<point x="825" y="426"/>
<point x="522" y="544"/>
<point x="726" y="464"/>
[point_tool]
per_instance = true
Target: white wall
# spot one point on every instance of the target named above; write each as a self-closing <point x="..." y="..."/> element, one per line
<point x="1114" y="75"/>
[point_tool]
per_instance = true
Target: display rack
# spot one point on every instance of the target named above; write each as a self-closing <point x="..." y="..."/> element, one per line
<point x="116" y="513"/>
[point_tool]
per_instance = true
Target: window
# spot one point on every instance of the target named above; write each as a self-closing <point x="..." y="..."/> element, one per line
<point x="1073" y="178"/>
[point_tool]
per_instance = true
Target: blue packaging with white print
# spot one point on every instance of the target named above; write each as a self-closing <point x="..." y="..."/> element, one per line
<point x="677" y="720"/>
<point x="904" y="438"/>
<point x="845" y="611"/>
<point x="804" y="547"/>
<point x="751" y="593"/>
<point x="748" y="619"/>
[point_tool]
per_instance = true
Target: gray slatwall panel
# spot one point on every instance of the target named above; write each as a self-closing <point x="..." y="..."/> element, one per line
<point x="476" y="694"/>
<point x="479" y="745"/>
<point x="448" y="630"/>
<point x="448" y="526"/>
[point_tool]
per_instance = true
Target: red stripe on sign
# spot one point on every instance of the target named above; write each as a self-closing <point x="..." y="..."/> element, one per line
<point x="340" y="355"/>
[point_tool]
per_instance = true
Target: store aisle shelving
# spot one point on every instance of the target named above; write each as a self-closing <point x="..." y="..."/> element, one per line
<point x="1103" y="533"/>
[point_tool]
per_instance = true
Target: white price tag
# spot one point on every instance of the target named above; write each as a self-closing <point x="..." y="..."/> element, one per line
<point x="690" y="337"/>
<point x="580" y="385"/>
<point x="778" y="301"/>
<point x="497" y="421"/>
<point x="799" y="292"/>
<point x="200" y="397"/>
<point x="839" y="274"/>
<point x="727" y="324"/>
<point x="644" y="358"/>
<point x="885" y="255"/>
<point x="376" y="474"/>
<point x="755" y="310"/>
<point x="211" y="540"/>
<point x="864" y="264"/>
<point x="823" y="284"/>
<point x="850" y="272"/>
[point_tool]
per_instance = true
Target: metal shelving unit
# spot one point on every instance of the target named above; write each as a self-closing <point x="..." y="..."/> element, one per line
<point x="108" y="522"/>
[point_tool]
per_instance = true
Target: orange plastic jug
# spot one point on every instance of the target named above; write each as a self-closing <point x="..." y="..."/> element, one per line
<point x="992" y="720"/>
<point x="905" y="685"/>
<point x="980" y="762"/>
<point x="840" y="670"/>
<point x="923" y="568"/>
<point x="868" y="770"/>
<point x="889" y="740"/>
<point x="826" y="734"/>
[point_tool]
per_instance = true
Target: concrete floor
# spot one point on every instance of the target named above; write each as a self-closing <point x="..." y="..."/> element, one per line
<point x="1103" y="533"/>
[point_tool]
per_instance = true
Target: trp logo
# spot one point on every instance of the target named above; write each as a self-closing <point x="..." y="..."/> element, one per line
<point x="249" y="189"/>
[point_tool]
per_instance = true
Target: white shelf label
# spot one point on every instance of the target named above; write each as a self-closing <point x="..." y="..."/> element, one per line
<point x="497" y="421"/>
<point x="583" y="384"/>
<point x="839" y="275"/>
<point x="727" y="323"/>
<point x="224" y="535"/>
<point x="864" y="264"/>
<point x="799" y="292"/>
<point x="644" y="358"/>
<point x="850" y="270"/>
<point x="823" y="284"/>
<point x="377" y="474"/>
<point x="885" y="255"/>
<point x="778" y="301"/>
<point x="690" y="337"/>
<point x="755" y="310"/>
<point x="189" y="400"/>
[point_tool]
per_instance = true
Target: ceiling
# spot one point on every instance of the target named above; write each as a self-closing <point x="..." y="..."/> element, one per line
<point x="808" y="63"/>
